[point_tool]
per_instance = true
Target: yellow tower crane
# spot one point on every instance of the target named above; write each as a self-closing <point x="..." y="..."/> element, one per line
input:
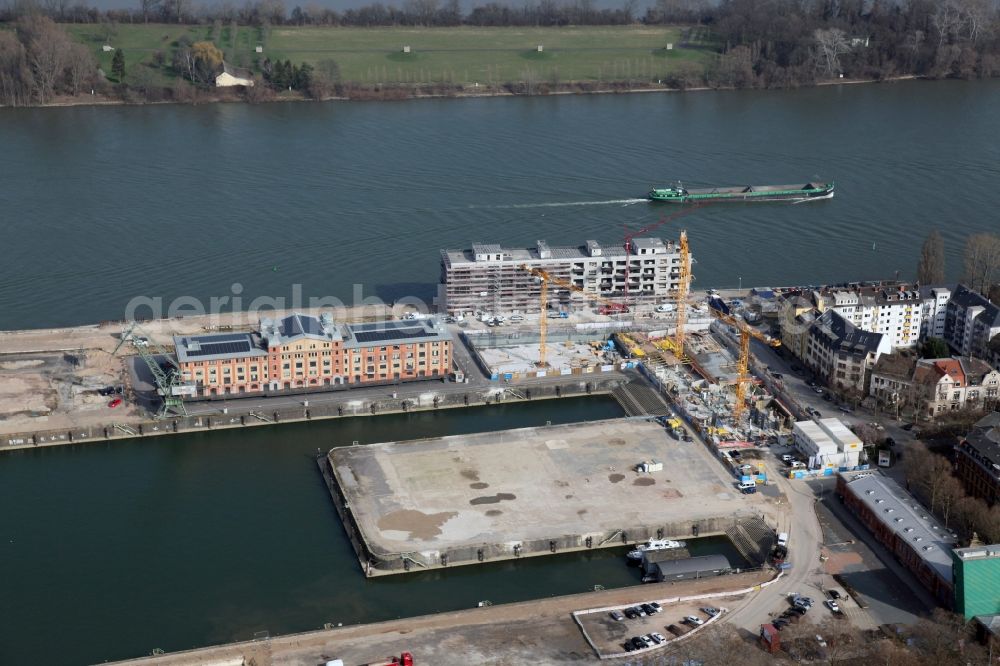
<point x="743" y="362"/>
<point x="676" y="344"/>
<point x="546" y="278"/>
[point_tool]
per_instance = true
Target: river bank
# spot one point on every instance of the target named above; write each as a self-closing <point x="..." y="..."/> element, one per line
<point x="414" y="93"/>
<point x="546" y="630"/>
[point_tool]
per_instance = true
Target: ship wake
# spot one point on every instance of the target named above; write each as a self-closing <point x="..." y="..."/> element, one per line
<point x="610" y="202"/>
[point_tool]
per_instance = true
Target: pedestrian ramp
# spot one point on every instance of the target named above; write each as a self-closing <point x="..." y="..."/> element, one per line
<point x="637" y="398"/>
<point x="753" y="538"/>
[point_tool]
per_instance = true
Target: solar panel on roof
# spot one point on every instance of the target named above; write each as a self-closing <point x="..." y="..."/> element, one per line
<point x="387" y="335"/>
<point x="213" y="349"/>
<point x="225" y="337"/>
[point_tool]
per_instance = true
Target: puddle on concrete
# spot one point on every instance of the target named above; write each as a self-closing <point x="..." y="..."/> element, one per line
<point x="492" y="499"/>
<point x="494" y="512"/>
<point x="643" y="481"/>
<point x="616" y="441"/>
<point x="615" y="478"/>
<point x="479" y="486"/>
<point x="470" y="474"/>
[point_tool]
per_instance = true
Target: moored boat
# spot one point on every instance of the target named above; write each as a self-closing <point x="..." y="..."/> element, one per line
<point x="653" y="545"/>
<point x="681" y="194"/>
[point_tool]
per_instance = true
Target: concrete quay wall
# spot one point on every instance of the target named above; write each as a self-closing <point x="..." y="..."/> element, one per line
<point x="448" y="397"/>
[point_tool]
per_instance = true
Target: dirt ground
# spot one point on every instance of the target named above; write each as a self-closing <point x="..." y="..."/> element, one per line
<point x="49" y="377"/>
<point x="534" y="632"/>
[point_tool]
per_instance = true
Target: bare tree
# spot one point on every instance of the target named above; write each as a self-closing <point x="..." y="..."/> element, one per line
<point x="970" y="513"/>
<point x="831" y="44"/>
<point x="947" y="20"/>
<point x="15" y="75"/>
<point x="930" y="270"/>
<point x="148" y="7"/>
<point x="48" y="49"/>
<point x="982" y="261"/>
<point x="80" y="69"/>
<point x="949" y="495"/>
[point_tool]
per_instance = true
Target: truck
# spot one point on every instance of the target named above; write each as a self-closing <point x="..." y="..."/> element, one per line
<point x="612" y="308"/>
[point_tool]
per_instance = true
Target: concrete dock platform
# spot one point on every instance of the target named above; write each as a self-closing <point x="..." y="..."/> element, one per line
<point x="500" y="495"/>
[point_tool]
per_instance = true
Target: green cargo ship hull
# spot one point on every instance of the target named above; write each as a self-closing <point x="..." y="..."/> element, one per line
<point x="681" y="194"/>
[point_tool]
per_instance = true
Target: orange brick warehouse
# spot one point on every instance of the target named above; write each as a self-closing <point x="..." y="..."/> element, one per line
<point x="301" y="351"/>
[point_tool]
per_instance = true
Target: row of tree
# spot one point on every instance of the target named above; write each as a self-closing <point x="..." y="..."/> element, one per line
<point x="275" y="12"/>
<point x="38" y="60"/>
<point x="930" y="476"/>
<point x="981" y="263"/>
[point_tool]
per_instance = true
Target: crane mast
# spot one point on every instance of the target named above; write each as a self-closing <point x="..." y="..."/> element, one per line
<point x="546" y="279"/>
<point x="743" y="361"/>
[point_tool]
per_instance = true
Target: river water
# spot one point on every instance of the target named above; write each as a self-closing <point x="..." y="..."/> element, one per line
<point x="100" y="205"/>
<point x="111" y="550"/>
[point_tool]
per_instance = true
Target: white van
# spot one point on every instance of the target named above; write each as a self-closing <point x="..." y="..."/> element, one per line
<point x="783" y="539"/>
<point x="666" y="307"/>
<point x="748" y="487"/>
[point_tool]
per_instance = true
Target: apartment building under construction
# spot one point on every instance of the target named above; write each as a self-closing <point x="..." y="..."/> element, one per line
<point x="490" y="278"/>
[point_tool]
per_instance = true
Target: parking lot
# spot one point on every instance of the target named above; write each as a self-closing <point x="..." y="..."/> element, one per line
<point x="614" y="633"/>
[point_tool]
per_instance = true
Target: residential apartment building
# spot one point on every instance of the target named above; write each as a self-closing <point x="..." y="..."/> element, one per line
<point x="934" y="306"/>
<point x="841" y="353"/>
<point x="895" y="312"/>
<point x="491" y="277"/>
<point x="972" y="323"/>
<point x="978" y="459"/>
<point x="300" y="351"/>
<point x="934" y="386"/>
<point x="892" y="379"/>
<point x="960" y="382"/>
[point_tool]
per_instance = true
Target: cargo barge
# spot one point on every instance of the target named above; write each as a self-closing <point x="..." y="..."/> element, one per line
<point x="681" y="194"/>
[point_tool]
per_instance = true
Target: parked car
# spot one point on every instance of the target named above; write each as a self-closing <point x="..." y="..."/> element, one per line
<point x="647" y="639"/>
<point x="638" y="643"/>
<point x="890" y="442"/>
<point x="846" y="409"/>
<point x="834" y="594"/>
<point x="832" y="605"/>
<point x="631" y="613"/>
<point x="616" y="615"/>
<point x="786" y="457"/>
<point x="692" y="619"/>
<point x="657" y="637"/>
<point x="907" y="426"/>
<point x="647" y="609"/>
<point x="656" y="607"/>
<point x="114" y="403"/>
<point x="818" y="390"/>
<point x="777" y="375"/>
<point x="819" y="639"/>
<point x="710" y="611"/>
<point x="797" y="464"/>
<point x="628" y="645"/>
